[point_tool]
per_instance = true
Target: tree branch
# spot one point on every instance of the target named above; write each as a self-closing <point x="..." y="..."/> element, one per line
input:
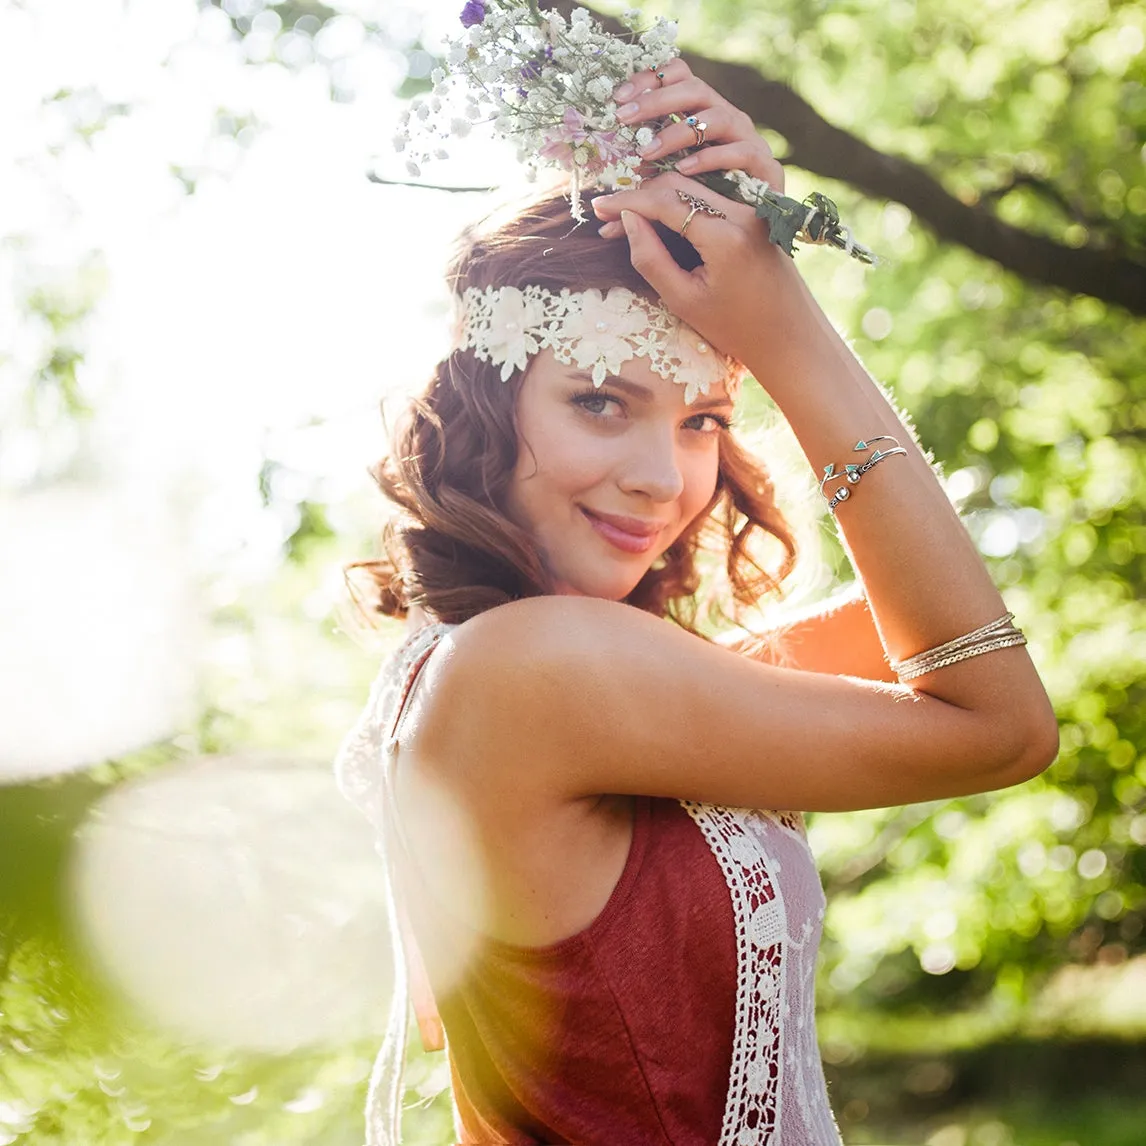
<point x="826" y="150"/>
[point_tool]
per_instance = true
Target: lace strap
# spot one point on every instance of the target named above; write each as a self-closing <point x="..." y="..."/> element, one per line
<point x="430" y="1027"/>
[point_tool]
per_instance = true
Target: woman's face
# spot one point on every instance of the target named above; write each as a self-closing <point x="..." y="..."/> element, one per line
<point x="607" y="479"/>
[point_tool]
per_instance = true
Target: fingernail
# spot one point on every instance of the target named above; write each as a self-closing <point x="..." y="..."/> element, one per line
<point x="687" y="163"/>
<point x="629" y="110"/>
<point x="609" y="230"/>
<point x="628" y="221"/>
<point x="650" y="149"/>
<point x="624" y="91"/>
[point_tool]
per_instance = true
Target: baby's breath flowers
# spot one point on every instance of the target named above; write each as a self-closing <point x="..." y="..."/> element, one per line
<point x="547" y="83"/>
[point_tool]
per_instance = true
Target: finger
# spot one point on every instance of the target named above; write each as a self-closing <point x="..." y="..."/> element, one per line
<point x="754" y="158"/>
<point x="652" y="79"/>
<point x="613" y="230"/>
<point x="681" y="136"/>
<point x="672" y="99"/>
<point x="652" y="261"/>
<point x="657" y="199"/>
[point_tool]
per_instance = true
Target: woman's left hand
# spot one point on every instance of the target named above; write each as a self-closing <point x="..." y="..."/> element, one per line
<point x="746" y="296"/>
<point x="732" y="142"/>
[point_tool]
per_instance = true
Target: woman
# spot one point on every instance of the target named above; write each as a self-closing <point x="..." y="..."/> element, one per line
<point x="559" y="777"/>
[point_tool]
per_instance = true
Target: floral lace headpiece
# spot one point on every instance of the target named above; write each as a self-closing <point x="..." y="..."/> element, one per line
<point x="546" y="83"/>
<point x="506" y="326"/>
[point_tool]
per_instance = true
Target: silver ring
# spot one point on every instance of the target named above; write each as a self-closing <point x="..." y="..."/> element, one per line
<point x="696" y="205"/>
<point x="700" y="204"/>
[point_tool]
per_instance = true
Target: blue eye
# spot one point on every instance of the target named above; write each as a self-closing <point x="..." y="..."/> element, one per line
<point x="595" y="403"/>
<point x="715" y="423"/>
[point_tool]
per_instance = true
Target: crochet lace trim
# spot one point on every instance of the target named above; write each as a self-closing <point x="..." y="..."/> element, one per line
<point x="775" y="1057"/>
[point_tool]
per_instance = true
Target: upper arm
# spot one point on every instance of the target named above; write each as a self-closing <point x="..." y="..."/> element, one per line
<point x="573" y="697"/>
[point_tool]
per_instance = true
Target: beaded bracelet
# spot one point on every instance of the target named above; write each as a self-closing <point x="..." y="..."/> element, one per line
<point x="998" y="634"/>
<point x="852" y="473"/>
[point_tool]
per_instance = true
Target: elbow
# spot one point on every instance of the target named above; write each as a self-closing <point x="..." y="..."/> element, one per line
<point x="1033" y="750"/>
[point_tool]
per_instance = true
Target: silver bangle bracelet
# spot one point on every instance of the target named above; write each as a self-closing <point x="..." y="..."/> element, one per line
<point x="998" y="634"/>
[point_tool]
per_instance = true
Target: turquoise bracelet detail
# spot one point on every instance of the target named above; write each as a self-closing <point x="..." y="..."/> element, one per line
<point x="853" y="472"/>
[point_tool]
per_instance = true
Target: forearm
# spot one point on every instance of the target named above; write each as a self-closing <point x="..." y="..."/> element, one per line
<point x="921" y="573"/>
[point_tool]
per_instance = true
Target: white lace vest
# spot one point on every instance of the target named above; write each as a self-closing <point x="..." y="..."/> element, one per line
<point x="776" y="1090"/>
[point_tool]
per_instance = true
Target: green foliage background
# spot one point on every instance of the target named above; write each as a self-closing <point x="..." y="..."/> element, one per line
<point x="1028" y="906"/>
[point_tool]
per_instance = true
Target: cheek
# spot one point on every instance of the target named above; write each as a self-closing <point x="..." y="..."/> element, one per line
<point x="701" y="483"/>
<point x="559" y="460"/>
<point x="550" y="472"/>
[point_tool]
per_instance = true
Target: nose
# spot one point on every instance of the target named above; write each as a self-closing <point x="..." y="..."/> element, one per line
<point x="654" y="468"/>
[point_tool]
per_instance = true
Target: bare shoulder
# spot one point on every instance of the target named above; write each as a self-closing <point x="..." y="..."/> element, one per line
<point x="553" y="625"/>
<point x="523" y="664"/>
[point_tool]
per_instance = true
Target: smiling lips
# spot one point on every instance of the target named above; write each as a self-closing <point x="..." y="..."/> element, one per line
<point x="629" y="534"/>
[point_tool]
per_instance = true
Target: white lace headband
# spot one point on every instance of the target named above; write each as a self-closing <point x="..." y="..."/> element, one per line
<point x="506" y="326"/>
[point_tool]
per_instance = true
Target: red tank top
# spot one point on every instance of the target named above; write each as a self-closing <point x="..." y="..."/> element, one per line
<point x="619" y="1034"/>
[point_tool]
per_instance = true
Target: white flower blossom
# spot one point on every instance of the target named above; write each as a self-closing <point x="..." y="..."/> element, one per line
<point x="600" y="88"/>
<point x="460" y="127"/>
<point x="515" y="323"/>
<point x="414" y="170"/>
<point x="600" y="330"/>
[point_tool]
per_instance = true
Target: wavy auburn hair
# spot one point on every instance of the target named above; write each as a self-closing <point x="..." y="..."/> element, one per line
<point x="450" y="548"/>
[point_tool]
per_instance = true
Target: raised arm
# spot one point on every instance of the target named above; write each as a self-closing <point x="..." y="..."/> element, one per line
<point x="923" y="578"/>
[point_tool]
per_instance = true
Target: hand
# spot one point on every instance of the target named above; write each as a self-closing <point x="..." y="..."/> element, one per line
<point x="746" y="297"/>
<point x="733" y="142"/>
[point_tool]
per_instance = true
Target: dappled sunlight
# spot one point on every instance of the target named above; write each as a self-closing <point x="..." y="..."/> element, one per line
<point x="239" y="902"/>
<point x="95" y="595"/>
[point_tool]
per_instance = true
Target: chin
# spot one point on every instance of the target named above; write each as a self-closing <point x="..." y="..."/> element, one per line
<point x="602" y="588"/>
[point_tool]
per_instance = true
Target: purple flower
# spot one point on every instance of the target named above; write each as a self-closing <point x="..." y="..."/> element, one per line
<point x="531" y="71"/>
<point x="473" y="13"/>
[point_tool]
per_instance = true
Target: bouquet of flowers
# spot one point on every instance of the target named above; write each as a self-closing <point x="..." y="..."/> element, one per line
<point x="547" y="83"/>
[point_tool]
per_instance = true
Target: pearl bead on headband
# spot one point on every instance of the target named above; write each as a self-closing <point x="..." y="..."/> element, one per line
<point x="506" y="326"/>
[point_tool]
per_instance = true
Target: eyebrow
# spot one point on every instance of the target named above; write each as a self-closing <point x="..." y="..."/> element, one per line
<point x="636" y="390"/>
